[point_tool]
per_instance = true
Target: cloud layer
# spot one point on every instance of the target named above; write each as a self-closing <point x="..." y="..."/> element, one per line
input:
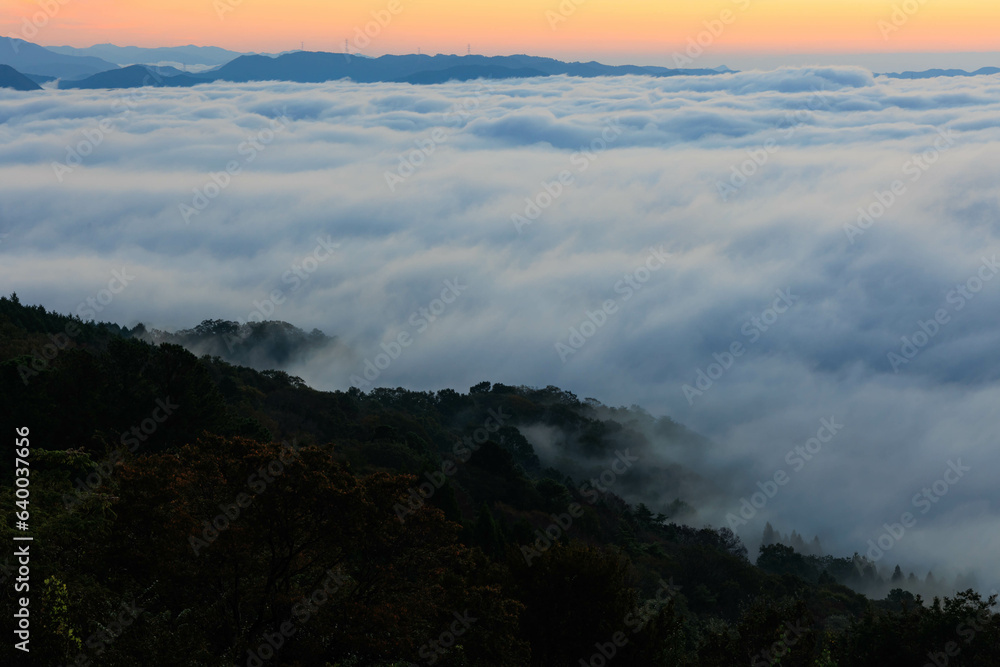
<point x="514" y="232"/>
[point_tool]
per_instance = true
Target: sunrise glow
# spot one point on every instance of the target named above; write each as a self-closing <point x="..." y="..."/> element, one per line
<point x="545" y="27"/>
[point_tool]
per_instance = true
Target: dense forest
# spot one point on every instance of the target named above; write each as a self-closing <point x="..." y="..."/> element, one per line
<point x="192" y="511"/>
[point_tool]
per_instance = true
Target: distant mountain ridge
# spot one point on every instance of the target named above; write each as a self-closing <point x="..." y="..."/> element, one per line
<point x="136" y="55"/>
<point x="31" y="59"/>
<point x="11" y="78"/>
<point x="134" y="76"/>
<point x="932" y="73"/>
<point x="81" y="68"/>
<point x="318" y="67"/>
<point x="313" y="67"/>
<point x="92" y="67"/>
<point x="467" y="73"/>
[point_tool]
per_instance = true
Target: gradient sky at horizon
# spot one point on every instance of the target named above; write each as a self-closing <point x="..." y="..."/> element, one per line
<point x="604" y="29"/>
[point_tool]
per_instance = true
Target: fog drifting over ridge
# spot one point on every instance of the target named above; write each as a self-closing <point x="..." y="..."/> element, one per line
<point x="646" y="186"/>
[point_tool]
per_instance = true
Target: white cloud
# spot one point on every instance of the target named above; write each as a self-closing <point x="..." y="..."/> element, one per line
<point x="654" y="184"/>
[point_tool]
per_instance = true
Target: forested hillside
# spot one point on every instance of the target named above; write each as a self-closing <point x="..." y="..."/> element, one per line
<point x="188" y="511"/>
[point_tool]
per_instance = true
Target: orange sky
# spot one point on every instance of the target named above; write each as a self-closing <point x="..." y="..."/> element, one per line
<point x="601" y="28"/>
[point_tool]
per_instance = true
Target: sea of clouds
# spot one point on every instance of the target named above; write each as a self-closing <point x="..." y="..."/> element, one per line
<point x="742" y="252"/>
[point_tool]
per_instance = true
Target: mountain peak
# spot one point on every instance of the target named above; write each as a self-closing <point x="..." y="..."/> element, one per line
<point x="11" y="78"/>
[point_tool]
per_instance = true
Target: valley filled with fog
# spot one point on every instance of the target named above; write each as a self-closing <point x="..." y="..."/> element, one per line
<point x="800" y="264"/>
